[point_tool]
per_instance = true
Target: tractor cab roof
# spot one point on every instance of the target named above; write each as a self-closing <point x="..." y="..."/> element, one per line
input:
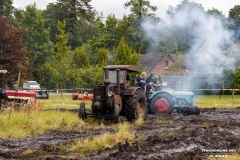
<point x="130" y="68"/>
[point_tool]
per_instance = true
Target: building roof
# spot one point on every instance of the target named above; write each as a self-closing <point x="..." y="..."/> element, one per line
<point x="150" y="61"/>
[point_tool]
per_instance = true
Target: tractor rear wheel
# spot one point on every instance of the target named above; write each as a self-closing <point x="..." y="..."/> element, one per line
<point x="161" y="104"/>
<point x="135" y="106"/>
<point x="82" y="112"/>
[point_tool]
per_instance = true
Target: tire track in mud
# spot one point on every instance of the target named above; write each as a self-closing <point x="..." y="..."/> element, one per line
<point x="11" y="148"/>
<point x="186" y="137"/>
<point x="173" y="137"/>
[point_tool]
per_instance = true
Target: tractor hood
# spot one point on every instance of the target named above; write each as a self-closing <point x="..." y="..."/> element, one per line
<point x="187" y="95"/>
<point x="181" y="93"/>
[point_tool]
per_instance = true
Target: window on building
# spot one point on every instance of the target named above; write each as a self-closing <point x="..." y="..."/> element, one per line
<point x="167" y="64"/>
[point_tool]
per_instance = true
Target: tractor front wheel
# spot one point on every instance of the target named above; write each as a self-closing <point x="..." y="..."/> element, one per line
<point x="82" y="112"/>
<point x="115" y="118"/>
<point x="161" y="104"/>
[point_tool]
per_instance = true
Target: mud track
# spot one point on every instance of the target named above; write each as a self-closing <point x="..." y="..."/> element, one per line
<point x="213" y="132"/>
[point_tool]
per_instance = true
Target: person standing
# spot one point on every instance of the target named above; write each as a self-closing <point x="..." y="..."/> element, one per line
<point x="159" y="82"/>
<point x="150" y="78"/>
<point x="149" y="88"/>
<point x="141" y="81"/>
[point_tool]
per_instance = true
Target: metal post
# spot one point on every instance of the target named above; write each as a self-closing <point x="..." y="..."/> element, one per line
<point x="19" y="76"/>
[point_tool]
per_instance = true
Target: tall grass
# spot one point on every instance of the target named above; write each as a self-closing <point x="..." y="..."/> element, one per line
<point x="98" y="143"/>
<point x="24" y="124"/>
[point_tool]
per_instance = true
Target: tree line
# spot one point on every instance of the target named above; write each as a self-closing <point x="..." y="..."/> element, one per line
<point x="68" y="43"/>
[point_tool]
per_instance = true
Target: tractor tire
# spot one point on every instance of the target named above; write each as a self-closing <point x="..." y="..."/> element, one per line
<point x="161" y="104"/>
<point x="115" y="118"/>
<point x="82" y="112"/>
<point x="135" y="106"/>
<point x="190" y="110"/>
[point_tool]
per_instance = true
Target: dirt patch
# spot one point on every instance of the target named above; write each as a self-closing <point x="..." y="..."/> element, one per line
<point x="213" y="132"/>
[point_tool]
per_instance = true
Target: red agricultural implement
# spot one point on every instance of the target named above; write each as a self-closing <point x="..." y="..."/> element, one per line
<point x="15" y="98"/>
<point x="18" y="98"/>
<point x="82" y="96"/>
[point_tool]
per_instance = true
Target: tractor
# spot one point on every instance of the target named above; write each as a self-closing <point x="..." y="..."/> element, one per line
<point x="164" y="101"/>
<point x="115" y="97"/>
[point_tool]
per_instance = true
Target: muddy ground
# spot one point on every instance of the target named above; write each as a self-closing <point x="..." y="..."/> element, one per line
<point x="214" y="133"/>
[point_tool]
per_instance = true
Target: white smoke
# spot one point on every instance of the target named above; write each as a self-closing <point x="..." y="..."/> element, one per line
<point x="211" y="49"/>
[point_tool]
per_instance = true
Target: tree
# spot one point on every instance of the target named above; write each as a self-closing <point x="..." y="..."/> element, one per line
<point x="14" y="56"/>
<point x="102" y="57"/>
<point x="79" y="17"/>
<point x="176" y="67"/>
<point x="37" y="39"/>
<point x="139" y="11"/>
<point x="125" y="54"/>
<point x="89" y="76"/>
<point x="215" y="11"/>
<point x="106" y="39"/>
<point x="81" y="56"/>
<point x="59" y="64"/>
<point x="6" y="8"/>
<point x="140" y="8"/>
<point x="234" y="14"/>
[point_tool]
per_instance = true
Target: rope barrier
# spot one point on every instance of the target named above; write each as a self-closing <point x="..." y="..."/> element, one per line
<point x="208" y="89"/>
<point x="88" y="89"/>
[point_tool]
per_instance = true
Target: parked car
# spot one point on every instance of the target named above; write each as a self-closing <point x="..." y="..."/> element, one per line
<point x="30" y="85"/>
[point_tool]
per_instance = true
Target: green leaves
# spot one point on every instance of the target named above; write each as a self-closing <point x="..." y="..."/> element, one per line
<point x="125" y="54"/>
<point x="60" y="62"/>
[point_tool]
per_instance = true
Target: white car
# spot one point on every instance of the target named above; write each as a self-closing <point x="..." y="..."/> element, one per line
<point x="29" y="85"/>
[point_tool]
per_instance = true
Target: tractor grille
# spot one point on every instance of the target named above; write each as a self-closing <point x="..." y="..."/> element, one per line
<point x="99" y="91"/>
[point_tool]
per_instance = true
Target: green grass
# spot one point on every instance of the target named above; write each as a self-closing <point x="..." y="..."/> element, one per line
<point x="66" y="102"/>
<point x="216" y="101"/>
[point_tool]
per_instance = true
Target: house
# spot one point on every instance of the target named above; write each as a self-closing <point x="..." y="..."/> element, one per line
<point x="165" y="63"/>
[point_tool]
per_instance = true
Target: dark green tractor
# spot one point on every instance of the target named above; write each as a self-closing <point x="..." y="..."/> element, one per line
<point x="115" y="97"/>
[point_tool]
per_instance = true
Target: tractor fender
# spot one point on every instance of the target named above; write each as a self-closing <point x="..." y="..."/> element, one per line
<point x="150" y="96"/>
<point x="130" y="91"/>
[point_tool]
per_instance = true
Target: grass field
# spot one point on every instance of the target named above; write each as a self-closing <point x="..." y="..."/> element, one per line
<point x="216" y="101"/>
<point x="49" y="116"/>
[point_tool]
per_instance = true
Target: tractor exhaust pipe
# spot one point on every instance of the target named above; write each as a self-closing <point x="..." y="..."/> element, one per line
<point x="118" y="82"/>
<point x="106" y="82"/>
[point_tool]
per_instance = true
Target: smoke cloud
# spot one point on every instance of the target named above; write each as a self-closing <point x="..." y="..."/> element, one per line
<point x="210" y="44"/>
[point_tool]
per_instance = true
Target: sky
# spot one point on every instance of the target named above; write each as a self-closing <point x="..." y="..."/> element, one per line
<point x="116" y="6"/>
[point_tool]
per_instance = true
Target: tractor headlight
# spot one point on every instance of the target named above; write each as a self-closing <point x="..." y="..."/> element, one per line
<point x="110" y="93"/>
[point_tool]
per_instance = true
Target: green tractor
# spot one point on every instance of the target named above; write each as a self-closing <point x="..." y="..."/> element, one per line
<point x="115" y="97"/>
<point x="163" y="102"/>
